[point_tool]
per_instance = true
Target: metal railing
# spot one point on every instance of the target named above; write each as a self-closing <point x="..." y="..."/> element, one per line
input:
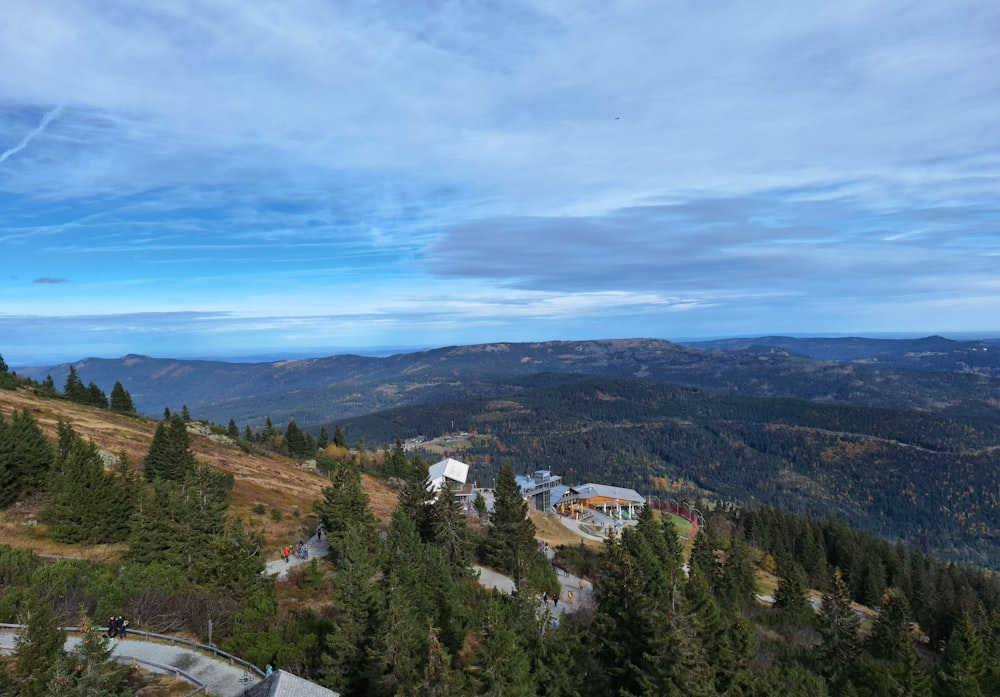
<point x="214" y="650"/>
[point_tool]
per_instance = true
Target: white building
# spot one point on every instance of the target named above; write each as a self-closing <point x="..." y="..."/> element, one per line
<point x="452" y="474"/>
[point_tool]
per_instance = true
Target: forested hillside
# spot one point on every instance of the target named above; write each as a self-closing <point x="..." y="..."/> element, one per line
<point x="925" y="479"/>
<point x="396" y="608"/>
<point x="321" y="390"/>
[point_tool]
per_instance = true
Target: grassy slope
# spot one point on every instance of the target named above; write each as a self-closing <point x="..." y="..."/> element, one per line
<point x="275" y="481"/>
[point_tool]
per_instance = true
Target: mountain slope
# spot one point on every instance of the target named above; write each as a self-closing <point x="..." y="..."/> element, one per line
<point x="925" y="479"/>
<point x="274" y="481"/>
<point x="322" y="390"/>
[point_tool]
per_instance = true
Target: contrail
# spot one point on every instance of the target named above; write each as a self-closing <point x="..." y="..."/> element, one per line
<point x="27" y="139"/>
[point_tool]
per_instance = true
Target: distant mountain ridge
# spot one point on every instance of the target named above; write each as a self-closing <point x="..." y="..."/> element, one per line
<point x="871" y="372"/>
<point x="927" y="353"/>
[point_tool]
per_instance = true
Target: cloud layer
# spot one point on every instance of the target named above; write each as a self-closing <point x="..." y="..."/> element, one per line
<point x="198" y="178"/>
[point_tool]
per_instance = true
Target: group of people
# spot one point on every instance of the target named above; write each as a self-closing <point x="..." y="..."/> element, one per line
<point x="302" y="551"/>
<point x="117" y="627"/>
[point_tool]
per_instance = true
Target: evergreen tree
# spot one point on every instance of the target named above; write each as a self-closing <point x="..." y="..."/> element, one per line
<point x="96" y="397"/>
<point x="358" y="597"/>
<point x="233" y="431"/>
<point x="400" y="653"/>
<point x="891" y="665"/>
<point x="503" y="665"/>
<point x="645" y="636"/>
<point x="233" y="561"/>
<point x="963" y="665"/>
<point x="324" y="438"/>
<point x="510" y="539"/>
<point x="121" y="400"/>
<point x="450" y="532"/>
<point x="86" y="505"/>
<point x="185" y="414"/>
<point x="38" y="650"/>
<point x="91" y="671"/>
<point x="839" y="628"/>
<point x="3" y="365"/>
<point x="344" y="510"/>
<point x="791" y="598"/>
<point x="711" y="630"/>
<point x="74" y="390"/>
<point x="738" y="580"/>
<point x="415" y="498"/>
<point x="338" y="438"/>
<point x="395" y="461"/>
<point x="295" y="442"/>
<point x="26" y="457"/>
<point x="268" y="435"/>
<point x="170" y="455"/>
<point x="177" y="522"/>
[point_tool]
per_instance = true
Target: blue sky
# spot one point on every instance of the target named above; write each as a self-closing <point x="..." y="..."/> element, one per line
<point x="305" y="177"/>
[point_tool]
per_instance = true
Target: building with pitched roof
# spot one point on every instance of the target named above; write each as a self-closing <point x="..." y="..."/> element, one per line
<point x="451" y="474"/>
<point x="282" y="684"/>
<point x="614" y="501"/>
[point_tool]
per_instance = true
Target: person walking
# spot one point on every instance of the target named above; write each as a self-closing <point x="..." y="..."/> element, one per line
<point x="285" y="553"/>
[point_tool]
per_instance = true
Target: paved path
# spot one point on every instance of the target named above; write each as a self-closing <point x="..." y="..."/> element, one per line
<point x="222" y="679"/>
<point x="488" y="578"/>
<point x="318" y="549"/>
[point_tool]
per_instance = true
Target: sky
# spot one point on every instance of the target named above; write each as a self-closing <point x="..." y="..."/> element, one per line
<point x="237" y="179"/>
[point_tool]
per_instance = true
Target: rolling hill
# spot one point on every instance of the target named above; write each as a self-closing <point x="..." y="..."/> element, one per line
<point x="260" y="478"/>
<point x="323" y="390"/>
<point x="925" y="479"/>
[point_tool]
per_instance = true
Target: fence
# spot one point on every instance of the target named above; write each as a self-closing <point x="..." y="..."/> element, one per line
<point x="215" y="651"/>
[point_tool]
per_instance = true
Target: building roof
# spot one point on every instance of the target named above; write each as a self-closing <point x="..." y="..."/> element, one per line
<point x="589" y="491"/>
<point x="282" y="684"/>
<point x="449" y="469"/>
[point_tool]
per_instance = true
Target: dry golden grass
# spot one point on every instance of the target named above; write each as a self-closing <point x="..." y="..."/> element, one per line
<point x="259" y="478"/>
<point x="550" y="530"/>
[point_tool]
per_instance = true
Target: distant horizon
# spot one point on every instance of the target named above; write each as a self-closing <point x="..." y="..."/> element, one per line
<point x="386" y="175"/>
<point x="383" y="351"/>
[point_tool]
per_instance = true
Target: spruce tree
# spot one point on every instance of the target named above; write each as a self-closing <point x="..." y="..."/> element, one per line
<point x="324" y="438"/>
<point x="91" y="670"/>
<point x="510" y="538"/>
<point x="86" y="505"/>
<point x="338" y="438"/>
<point x="121" y="400"/>
<point x="38" y="650"/>
<point x="791" y="598"/>
<point x="294" y="440"/>
<point x="170" y="455"/>
<point x="358" y="595"/>
<point x="891" y="664"/>
<point x="395" y="461"/>
<point x="400" y="652"/>
<point x="74" y="390"/>
<point x="26" y="457"/>
<point x="344" y="510"/>
<point x="839" y="628"/>
<point x="503" y="665"/>
<point x="963" y="665"/>
<point x="96" y="397"/>
<point x="233" y="430"/>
